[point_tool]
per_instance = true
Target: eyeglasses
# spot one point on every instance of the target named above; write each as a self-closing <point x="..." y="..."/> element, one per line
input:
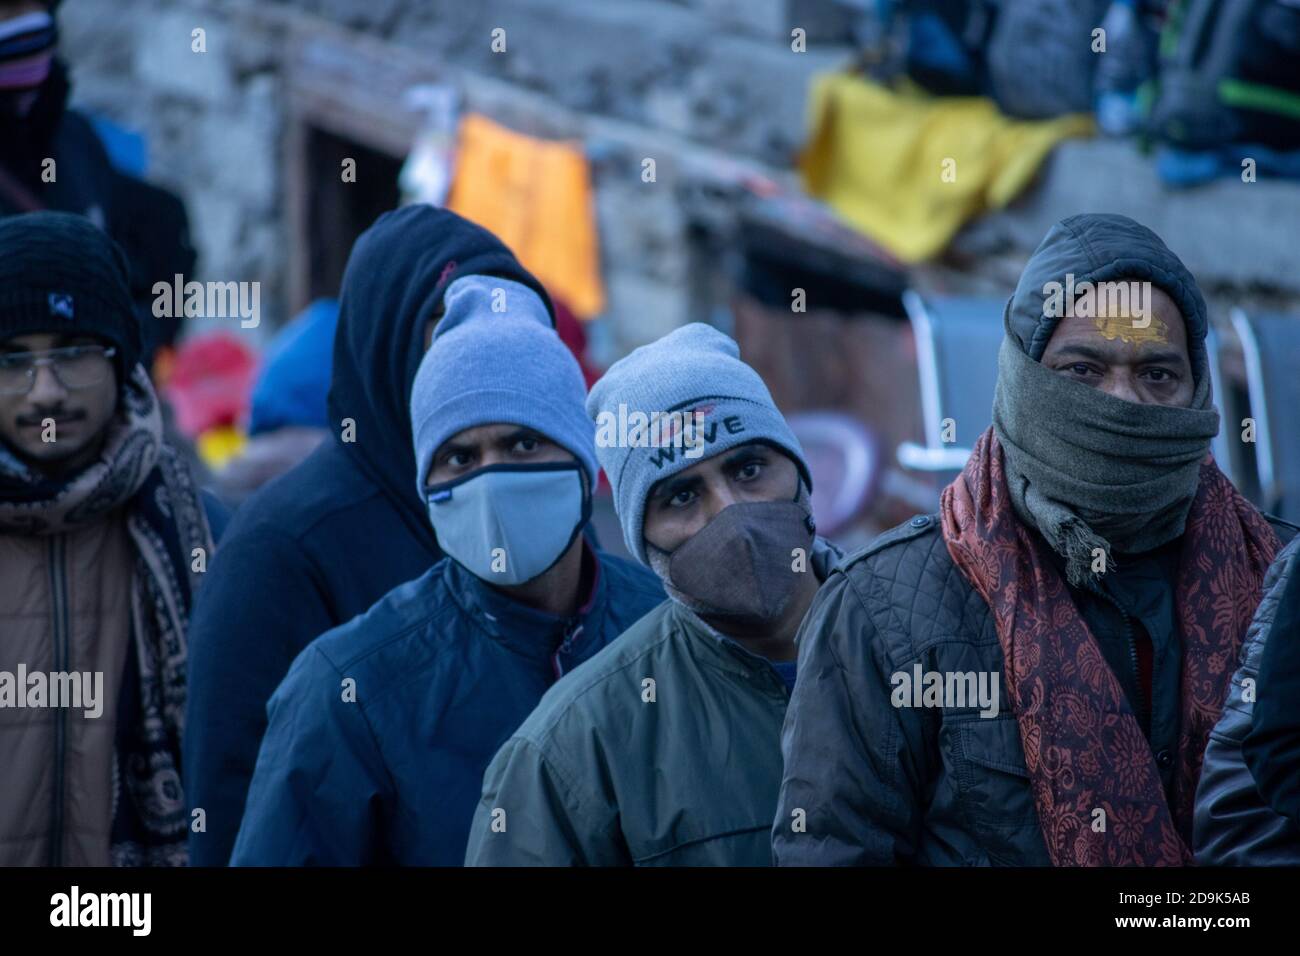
<point x="77" y="366"/>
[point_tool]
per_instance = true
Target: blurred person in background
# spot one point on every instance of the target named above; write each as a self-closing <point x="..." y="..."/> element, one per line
<point x="446" y="667"/>
<point x="52" y="158"/>
<point x="325" y="541"/>
<point x="664" y="749"/>
<point x="103" y="540"/>
<point x="1091" y="563"/>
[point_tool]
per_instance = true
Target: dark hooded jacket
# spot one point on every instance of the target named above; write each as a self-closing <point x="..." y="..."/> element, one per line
<point x="322" y="543"/>
<point x="884" y="785"/>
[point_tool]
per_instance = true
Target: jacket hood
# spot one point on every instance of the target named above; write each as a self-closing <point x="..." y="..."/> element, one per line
<point x="394" y="281"/>
<point x="1101" y="247"/>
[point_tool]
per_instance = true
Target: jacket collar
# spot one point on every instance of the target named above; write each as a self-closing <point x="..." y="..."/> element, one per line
<point x="527" y="631"/>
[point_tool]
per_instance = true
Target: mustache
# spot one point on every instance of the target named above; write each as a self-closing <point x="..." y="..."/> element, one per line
<point x="62" y="415"/>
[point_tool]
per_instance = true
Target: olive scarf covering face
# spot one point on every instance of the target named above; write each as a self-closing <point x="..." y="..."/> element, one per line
<point x="1091" y="471"/>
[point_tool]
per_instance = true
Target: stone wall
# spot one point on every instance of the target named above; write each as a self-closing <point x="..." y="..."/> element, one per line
<point x="709" y="88"/>
<point x="700" y="85"/>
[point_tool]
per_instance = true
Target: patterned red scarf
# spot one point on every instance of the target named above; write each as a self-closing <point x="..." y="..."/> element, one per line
<point x="1083" y="745"/>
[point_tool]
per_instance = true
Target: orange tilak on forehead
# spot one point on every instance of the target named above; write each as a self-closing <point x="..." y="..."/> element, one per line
<point x="1126" y="328"/>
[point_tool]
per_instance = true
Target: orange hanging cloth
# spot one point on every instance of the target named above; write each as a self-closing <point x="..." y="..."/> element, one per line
<point x="536" y="196"/>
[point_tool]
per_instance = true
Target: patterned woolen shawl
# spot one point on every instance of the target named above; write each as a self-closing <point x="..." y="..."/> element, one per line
<point x="1083" y="745"/>
<point x="136" y="471"/>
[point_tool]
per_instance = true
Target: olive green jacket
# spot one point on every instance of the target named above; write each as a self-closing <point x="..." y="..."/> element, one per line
<point x="662" y="750"/>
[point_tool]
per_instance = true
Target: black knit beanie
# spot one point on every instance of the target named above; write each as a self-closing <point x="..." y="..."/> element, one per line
<point x="60" y="273"/>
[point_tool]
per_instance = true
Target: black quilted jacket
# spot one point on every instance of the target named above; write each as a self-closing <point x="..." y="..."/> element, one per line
<point x="869" y="783"/>
<point x="1235" y="826"/>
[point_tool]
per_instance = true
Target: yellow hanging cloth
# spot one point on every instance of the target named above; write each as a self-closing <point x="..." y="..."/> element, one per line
<point x="536" y="196"/>
<point x="879" y="158"/>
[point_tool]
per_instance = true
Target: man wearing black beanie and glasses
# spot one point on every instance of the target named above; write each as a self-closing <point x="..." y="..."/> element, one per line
<point x="103" y="538"/>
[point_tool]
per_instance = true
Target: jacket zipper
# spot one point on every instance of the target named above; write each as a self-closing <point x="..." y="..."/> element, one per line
<point x="571" y="632"/>
<point x="1132" y="654"/>
<point x="58" y="595"/>
<point x="1132" y="662"/>
<point x="1133" y="665"/>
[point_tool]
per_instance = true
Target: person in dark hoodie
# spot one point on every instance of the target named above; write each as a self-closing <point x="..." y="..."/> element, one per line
<point x="319" y="545"/>
<point x="379" y="735"/>
<point x="1089" y="578"/>
<point x="36" y="126"/>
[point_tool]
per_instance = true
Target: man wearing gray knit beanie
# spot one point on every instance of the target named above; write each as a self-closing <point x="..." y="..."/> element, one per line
<point x="665" y="749"/>
<point x="396" y="714"/>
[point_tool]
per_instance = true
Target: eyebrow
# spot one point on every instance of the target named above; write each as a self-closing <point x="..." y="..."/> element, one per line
<point x="1164" y="356"/>
<point x="670" y="487"/>
<point x="452" y="447"/>
<point x="509" y="438"/>
<point x="1146" y="357"/>
<point x="738" y="455"/>
<point x="8" y="348"/>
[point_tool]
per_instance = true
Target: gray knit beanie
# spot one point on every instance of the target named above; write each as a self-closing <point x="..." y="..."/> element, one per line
<point x="495" y="357"/>
<point x="695" y="369"/>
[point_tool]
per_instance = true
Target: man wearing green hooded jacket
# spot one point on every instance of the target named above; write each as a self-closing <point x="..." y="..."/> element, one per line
<point x="664" y="749"/>
<point x="1091" y="565"/>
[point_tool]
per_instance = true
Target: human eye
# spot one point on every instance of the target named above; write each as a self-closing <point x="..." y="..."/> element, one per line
<point x="751" y="468"/>
<point x="1160" y="376"/>
<point x="682" y="499"/>
<point x="682" y="496"/>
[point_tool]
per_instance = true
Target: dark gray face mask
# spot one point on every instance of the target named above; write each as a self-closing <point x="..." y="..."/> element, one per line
<point x="741" y="565"/>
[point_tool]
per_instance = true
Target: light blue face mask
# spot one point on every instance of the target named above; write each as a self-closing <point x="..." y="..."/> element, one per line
<point x="507" y="524"/>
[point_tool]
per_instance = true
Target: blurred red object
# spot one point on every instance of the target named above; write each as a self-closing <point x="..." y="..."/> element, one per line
<point x="211" y="382"/>
<point x="569" y="327"/>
